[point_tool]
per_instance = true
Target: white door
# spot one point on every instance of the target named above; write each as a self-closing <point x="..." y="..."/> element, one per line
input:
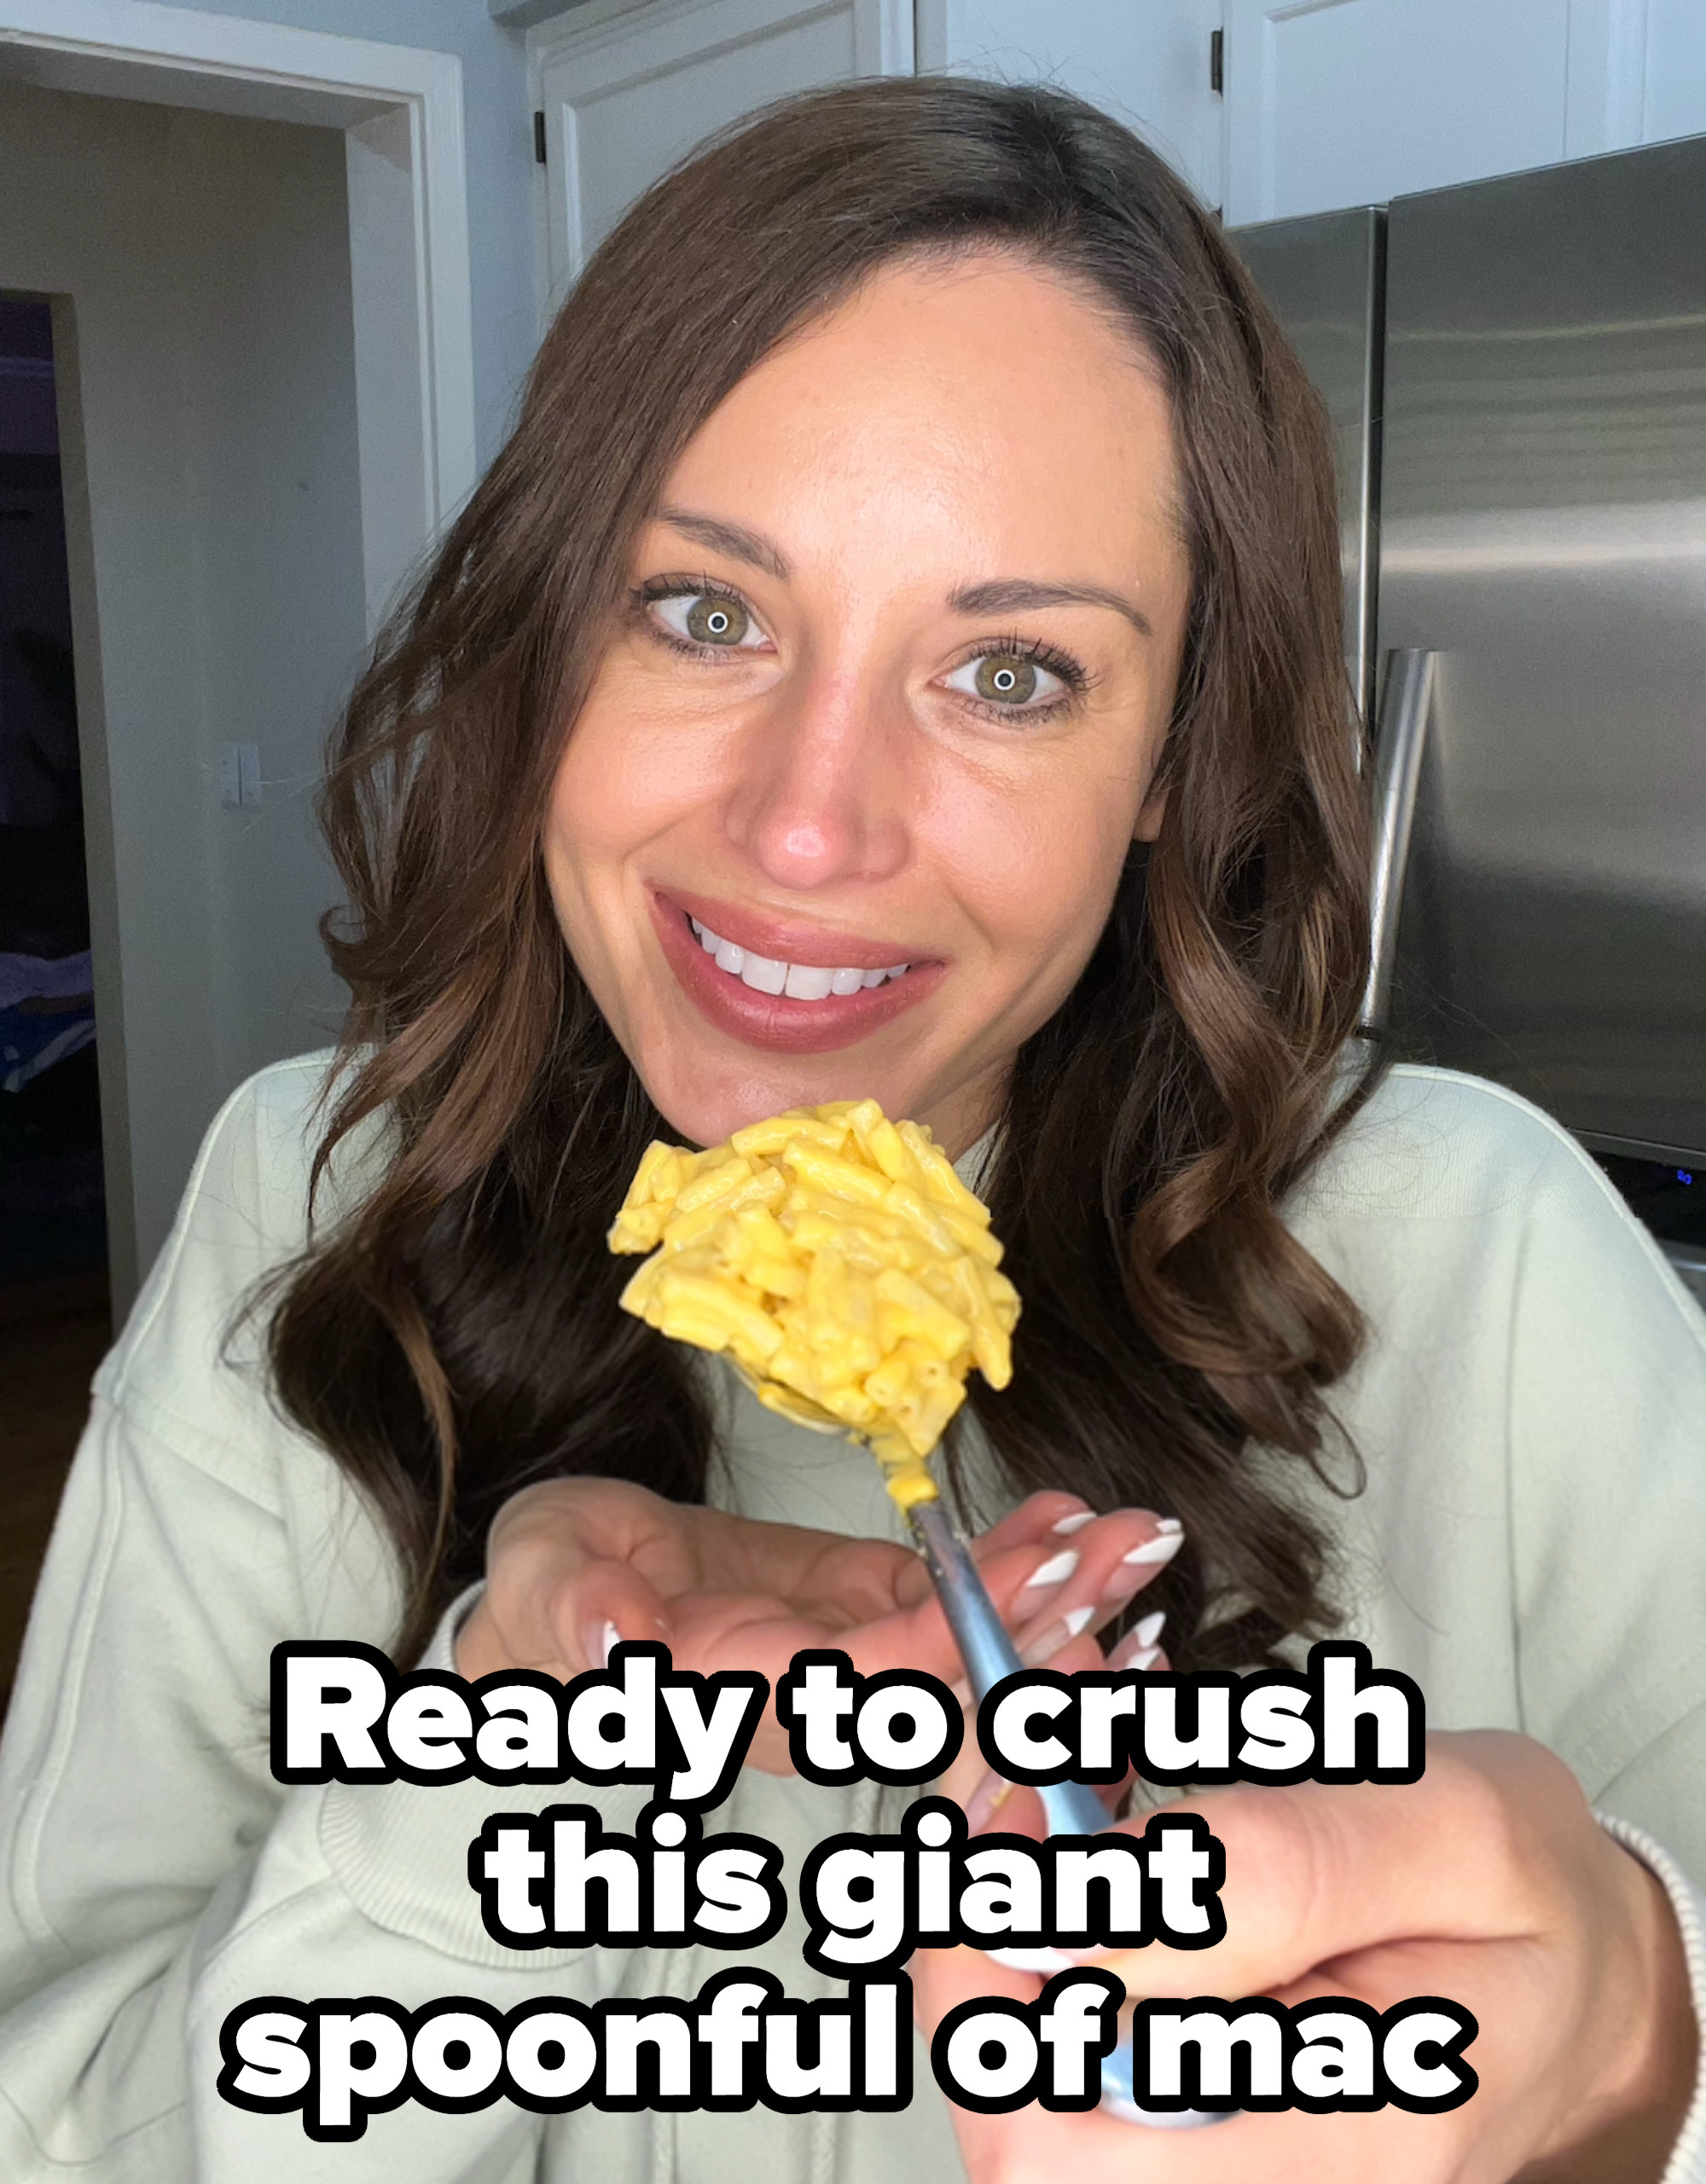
<point x="1340" y="102"/>
<point x="1147" y="62"/>
<point x="625" y="96"/>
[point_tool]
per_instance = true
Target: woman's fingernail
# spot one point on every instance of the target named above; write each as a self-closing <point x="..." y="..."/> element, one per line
<point x="1060" y="1632"/>
<point x="985" y="1802"/>
<point x="1044" y="1958"/>
<point x="1076" y="1522"/>
<point x="609" y="1637"/>
<point x="1162" y="1549"/>
<point x="1056" y="1570"/>
<point x="1147" y="1631"/>
<point x="1138" y="1649"/>
<point x="1168" y="1523"/>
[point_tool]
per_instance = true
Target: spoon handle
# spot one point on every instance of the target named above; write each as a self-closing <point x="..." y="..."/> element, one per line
<point x="1070" y="1808"/>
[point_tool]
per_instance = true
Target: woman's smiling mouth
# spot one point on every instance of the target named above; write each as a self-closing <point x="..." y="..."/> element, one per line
<point x="823" y="993"/>
<point x="800" y="981"/>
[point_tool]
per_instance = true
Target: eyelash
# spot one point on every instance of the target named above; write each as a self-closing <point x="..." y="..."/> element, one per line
<point x="1070" y="671"/>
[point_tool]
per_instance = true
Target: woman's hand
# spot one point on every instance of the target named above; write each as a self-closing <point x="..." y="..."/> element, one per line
<point x="1487" y="1882"/>
<point x="575" y="1564"/>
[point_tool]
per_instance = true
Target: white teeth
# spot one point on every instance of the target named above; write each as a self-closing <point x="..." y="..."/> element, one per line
<point x="800" y="982"/>
<point x="763" y="975"/>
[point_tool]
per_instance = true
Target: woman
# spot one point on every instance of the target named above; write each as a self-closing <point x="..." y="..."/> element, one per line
<point x="896" y="654"/>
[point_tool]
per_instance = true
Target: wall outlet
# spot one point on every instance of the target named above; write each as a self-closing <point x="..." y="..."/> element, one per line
<point x="240" y="776"/>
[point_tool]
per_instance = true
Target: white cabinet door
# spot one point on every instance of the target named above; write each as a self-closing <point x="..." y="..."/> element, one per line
<point x="1340" y="102"/>
<point x="625" y="96"/>
<point x="1145" y="62"/>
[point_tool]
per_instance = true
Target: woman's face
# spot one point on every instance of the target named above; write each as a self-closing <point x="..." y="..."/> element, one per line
<point x="845" y="811"/>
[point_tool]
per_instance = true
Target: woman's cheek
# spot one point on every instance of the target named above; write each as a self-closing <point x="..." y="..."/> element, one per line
<point x="1037" y="873"/>
<point x="629" y="770"/>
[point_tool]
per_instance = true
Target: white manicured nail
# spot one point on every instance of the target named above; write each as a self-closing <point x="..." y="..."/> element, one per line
<point x="1168" y="1523"/>
<point x="1162" y="1549"/>
<point x="1046" y="1958"/>
<point x="1132" y="1653"/>
<point x="612" y="1638"/>
<point x="1076" y="1618"/>
<point x="1056" y="1570"/>
<point x="1076" y="1522"/>
<point x="1147" y="1631"/>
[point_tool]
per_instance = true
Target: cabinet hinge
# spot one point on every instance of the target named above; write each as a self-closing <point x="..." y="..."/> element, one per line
<point x="1217" y="60"/>
<point x="539" y="133"/>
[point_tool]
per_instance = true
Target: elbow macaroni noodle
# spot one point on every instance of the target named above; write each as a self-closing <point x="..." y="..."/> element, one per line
<point x="841" y="1263"/>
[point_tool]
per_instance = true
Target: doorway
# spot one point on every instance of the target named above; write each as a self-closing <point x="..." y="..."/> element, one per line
<point x="177" y="1036"/>
<point x="52" y="1207"/>
<point x="255" y="240"/>
<point x="54" y="1305"/>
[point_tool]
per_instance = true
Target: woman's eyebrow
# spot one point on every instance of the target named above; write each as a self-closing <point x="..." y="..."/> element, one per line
<point x="1009" y="595"/>
<point x="732" y="539"/>
<point x="1013" y="594"/>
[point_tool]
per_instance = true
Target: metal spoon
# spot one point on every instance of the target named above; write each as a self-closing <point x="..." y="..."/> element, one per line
<point x="1071" y="1808"/>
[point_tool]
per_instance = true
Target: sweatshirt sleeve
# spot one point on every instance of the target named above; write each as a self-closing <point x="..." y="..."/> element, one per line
<point x="1607" y="1441"/>
<point x="1687" y="2164"/>
<point x="155" y="1875"/>
<point x="1608" y="1484"/>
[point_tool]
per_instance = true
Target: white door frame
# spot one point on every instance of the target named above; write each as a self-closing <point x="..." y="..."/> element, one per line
<point x="400" y="108"/>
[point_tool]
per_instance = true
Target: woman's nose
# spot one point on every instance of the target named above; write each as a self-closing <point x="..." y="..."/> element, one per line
<point x="820" y="796"/>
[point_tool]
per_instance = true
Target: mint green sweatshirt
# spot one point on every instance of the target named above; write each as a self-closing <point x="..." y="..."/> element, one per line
<point x="1531" y="1548"/>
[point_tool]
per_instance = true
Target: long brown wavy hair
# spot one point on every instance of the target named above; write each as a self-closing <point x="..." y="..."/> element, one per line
<point x="457" y="1336"/>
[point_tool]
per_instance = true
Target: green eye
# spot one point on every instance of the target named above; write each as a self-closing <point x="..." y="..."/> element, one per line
<point x="1009" y="682"/>
<point x="1005" y="678"/>
<point x="708" y="619"/>
<point x="712" y="618"/>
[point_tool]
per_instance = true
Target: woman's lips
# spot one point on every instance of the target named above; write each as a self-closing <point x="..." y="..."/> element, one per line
<point x="778" y="1021"/>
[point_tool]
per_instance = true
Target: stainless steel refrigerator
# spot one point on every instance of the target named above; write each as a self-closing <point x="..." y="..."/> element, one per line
<point x="1516" y="373"/>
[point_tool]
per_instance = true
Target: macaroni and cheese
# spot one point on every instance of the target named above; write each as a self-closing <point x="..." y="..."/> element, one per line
<point x="842" y="1264"/>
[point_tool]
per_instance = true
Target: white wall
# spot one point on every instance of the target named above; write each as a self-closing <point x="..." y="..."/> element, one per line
<point x="274" y="525"/>
<point x="206" y="263"/>
<point x="500" y="157"/>
<point x="1674" y="70"/>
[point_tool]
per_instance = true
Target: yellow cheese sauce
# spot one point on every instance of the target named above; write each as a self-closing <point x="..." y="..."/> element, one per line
<point x="842" y="1264"/>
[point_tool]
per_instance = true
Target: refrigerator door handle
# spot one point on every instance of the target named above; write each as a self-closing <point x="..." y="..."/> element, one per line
<point x="1406" y="700"/>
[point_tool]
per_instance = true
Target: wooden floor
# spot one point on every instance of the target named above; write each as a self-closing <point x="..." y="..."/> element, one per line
<point x="52" y="1336"/>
